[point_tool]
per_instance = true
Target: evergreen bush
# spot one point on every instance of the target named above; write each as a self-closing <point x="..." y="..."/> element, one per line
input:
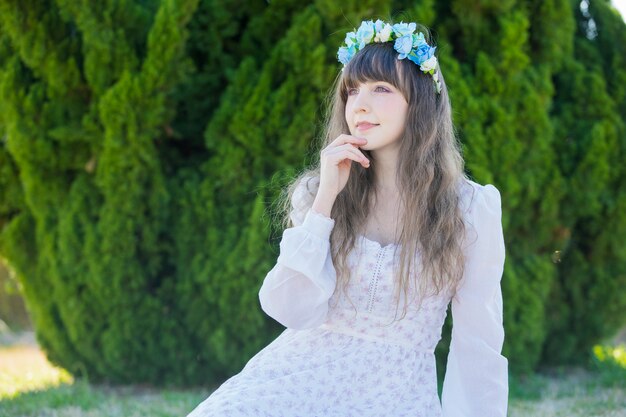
<point x="143" y="143"/>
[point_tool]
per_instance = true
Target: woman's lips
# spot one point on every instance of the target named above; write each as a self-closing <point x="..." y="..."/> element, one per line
<point x="365" y="126"/>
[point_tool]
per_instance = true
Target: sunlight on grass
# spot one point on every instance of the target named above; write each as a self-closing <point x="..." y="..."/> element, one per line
<point x="25" y="368"/>
<point x="30" y="386"/>
<point x="610" y="364"/>
<point x="615" y="354"/>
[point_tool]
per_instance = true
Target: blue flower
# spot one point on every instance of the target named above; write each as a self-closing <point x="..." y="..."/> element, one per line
<point x="365" y="33"/>
<point x="413" y="57"/>
<point x="403" y="46"/>
<point x="350" y="39"/>
<point x="379" y="25"/>
<point x="418" y="39"/>
<point x="402" y="29"/>
<point x="424" y="52"/>
<point x="344" y="54"/>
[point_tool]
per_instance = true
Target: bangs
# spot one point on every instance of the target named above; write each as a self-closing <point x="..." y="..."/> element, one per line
<point x="375" y="62"/>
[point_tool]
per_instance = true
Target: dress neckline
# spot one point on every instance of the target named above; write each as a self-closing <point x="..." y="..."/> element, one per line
<point x="377" y="244"/>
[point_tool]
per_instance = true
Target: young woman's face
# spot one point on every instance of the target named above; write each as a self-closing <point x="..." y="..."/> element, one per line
<point x="384" y="107"/>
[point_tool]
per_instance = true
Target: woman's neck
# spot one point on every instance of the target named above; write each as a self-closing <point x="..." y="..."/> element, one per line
<point x="385" y="166"/>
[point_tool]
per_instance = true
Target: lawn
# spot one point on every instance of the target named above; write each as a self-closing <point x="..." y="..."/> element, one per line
<point x="32" y="387"/>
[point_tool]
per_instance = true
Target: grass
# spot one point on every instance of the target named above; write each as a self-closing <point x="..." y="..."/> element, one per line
<point x="575" y="392"/>
<point x="83" y="399"/>
<point x="570" y="392"/>
<point x="31" y="387"/>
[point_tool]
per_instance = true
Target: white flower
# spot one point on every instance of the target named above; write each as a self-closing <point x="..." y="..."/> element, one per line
<point x="385" y="34"/>
<point x="429" y="64"/>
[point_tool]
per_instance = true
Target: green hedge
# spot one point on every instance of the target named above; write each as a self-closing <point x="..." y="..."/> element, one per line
<point x="143" y="144"/>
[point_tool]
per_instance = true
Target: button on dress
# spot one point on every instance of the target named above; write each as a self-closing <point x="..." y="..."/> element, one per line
<point x="342" y="357"/>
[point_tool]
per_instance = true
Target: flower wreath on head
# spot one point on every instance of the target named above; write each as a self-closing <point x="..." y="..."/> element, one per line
<point x="408" y="45"/>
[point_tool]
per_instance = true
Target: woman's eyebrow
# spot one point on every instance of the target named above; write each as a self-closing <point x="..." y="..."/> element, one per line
<point x="383" y="82"/>
<point x="371" y="83"/>
<point x="377" y="82"/>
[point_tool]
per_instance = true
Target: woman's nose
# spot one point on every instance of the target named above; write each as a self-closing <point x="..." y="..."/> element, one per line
<point x="360" y="102"/>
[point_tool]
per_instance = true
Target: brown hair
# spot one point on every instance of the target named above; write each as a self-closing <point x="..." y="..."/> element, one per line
<point x="429" y="173"/>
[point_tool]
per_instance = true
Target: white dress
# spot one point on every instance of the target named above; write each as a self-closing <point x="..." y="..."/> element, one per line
<point x="331" y="361"/>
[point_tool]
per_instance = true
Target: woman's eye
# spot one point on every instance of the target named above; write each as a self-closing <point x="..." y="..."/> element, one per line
<point x="379" y="88"/>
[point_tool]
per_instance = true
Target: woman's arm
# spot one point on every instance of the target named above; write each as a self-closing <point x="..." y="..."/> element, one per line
<point x="297" y="289"/>
<point x="476" y="380"/>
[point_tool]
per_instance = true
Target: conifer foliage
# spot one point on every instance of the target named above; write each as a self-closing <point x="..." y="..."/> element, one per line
<point x="140" y="141"/>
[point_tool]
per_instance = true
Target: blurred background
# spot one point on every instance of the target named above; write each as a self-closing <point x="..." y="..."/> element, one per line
<point x="143" y="144"/>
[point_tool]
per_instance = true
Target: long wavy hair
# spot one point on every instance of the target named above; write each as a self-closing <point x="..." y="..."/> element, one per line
<point x="429" y="172"/>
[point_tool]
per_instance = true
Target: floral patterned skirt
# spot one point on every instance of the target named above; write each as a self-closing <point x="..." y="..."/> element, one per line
<point x="320" y="372"/>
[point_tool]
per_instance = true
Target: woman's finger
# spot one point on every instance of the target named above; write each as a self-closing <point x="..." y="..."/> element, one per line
<point x="343" y="139"/>
<point x="350" y="148"/>
<point x="337" y="155"/>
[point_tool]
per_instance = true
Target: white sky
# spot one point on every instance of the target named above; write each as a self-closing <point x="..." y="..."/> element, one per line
<point x="620" y="5"/>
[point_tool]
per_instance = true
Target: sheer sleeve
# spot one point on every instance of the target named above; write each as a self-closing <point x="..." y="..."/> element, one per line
<point x="476" y="380"/>
<point x="295" y="292"/>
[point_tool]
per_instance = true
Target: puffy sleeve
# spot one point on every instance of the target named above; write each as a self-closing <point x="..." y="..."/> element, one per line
<point x="296" y="291"/>
<point x="476" y="379"/>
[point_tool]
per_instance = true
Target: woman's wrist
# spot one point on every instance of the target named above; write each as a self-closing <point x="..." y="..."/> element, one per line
<point x="323" y="204"/>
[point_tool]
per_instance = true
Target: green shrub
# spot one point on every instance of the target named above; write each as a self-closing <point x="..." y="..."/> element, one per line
<point x="141" y="148"/>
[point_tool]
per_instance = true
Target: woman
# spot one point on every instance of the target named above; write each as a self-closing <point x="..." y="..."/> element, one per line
<point x="386" y="219"/>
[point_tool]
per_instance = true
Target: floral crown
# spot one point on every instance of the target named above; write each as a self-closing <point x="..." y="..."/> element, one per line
<point x="406" y="43"/>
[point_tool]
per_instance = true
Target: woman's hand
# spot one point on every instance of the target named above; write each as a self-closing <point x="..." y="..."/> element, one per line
<point x="335" y="161"/>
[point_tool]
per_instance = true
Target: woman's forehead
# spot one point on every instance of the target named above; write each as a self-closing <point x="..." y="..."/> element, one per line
<point x="363" y="72"/>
